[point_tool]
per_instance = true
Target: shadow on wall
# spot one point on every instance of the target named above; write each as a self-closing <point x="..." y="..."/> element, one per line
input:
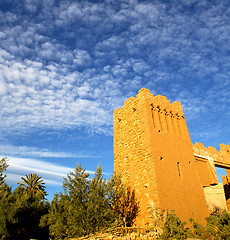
<point x="226" y="185"/>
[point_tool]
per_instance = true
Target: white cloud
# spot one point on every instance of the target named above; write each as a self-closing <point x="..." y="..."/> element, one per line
<point x="13" y="178"/>
<point x="74" y="65"/>
<point x="52" y="173"/>
<point x="81" y="57"/>
<point x="2" y="88"/>
<point x="140" y="66"/>
<point x="40" y="91"/>
<point x="25" y="151"/>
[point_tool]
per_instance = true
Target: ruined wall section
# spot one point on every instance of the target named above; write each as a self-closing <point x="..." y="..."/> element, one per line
<point x="205" y="163"/>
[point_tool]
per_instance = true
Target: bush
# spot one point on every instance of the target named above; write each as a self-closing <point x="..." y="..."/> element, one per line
<point x="174" y="228"/>
<point x="217" y="227"/>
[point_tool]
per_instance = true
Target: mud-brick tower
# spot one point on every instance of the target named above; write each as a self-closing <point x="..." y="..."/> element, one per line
<point x="154" y="154"/>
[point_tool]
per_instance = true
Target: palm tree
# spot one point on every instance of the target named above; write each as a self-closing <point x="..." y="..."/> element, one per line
<point x="34" y="184"/>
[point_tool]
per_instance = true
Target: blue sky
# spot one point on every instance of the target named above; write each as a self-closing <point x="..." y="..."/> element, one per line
<point x="66" y="65"/>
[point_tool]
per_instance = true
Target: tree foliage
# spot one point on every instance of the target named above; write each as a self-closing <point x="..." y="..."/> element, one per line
<point x="125" y="206"/>
<point x="3" y="167"/>
<point x="34" y="184"/>
<point x="21" y="211"/>
<point x="89" y="205"/>
<point x="99" y="208"/>
<point x="86" y="205"/>
<point x="6" y="200"/>
<point x="220" y="224"/>
<point x="217" y="227"/>
<point x="174" y="228"/>
<point x="26" y="211"/>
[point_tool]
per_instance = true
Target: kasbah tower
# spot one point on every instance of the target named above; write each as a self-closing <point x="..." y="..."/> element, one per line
<point x="154" y="154"/>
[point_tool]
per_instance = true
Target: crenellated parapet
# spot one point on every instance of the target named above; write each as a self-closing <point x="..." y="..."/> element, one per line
<point x="225" y="154"/>
<point x="166" y="117"/>
<point x="216" y="158"/>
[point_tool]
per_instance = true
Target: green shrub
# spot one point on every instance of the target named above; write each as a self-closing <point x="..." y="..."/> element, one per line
<point x="217" y="227"/>
<point x="174" y="228"/>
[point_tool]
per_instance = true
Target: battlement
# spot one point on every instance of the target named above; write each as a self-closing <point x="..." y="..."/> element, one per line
<point x="165" y="116"/>
<point x="216" y="158"/>
<point x="225" y="154"/>
<point x="158" y="101"/>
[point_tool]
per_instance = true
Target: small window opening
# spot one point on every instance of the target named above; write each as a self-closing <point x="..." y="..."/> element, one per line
<point x="152" y="110"/>
<point x="178" y="168"/>
<point x="161" y="158"/>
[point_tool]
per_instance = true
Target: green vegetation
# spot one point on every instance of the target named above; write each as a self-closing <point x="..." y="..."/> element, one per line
<point x="21" y="211"/>
<point x="218" y="227"/>
<point x="126" y="207"/>
<point x="34" y="184"/>
<point x="84" y="207"/>
<point x="87" y="206"/>
<point x="3" y="167"/>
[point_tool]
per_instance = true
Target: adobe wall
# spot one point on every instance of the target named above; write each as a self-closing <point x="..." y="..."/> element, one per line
<point x="205" y="163"/>
<point x="206" y="159"/>
<point x="154" y="154"/>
